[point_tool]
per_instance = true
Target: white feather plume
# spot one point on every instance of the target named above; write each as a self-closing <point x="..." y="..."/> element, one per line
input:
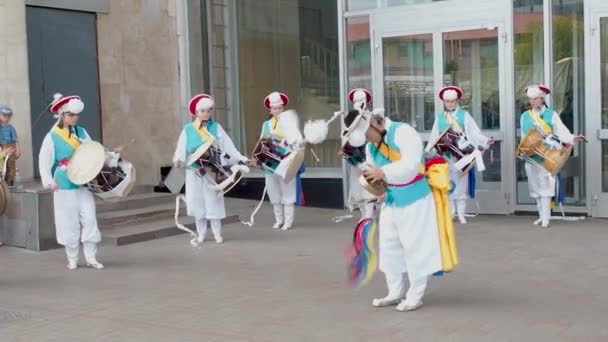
<point x="289" y="124"/>
<point x="57" y="96"/>
<point x="315" y="131"/>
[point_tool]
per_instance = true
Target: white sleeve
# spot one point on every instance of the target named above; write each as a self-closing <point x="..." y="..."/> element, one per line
<point x="180" y="149"/>
<point x="561" y="131"/>
<point x="46" y="159"/>
<point x="473" y="132"/>
<point x="521" y="128"/>
<point x="368" y="155"/>
<point x="409" y="143"/>
<point x="227" y="146"/>
<point x="433" y="136"/>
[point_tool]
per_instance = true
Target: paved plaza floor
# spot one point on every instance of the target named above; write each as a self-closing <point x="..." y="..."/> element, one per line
<point x="516" y="282"/>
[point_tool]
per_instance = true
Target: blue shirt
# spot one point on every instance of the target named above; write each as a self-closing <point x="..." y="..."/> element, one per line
<point x="8" y="134"/>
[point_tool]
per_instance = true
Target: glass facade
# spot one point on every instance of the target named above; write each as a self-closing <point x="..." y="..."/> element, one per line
<point x="293" y="46"/>
<point x="529" y="59"/>
<point x="409" y="95"/>
<point x="289" y="46"/>
<point x="568" y="98"/>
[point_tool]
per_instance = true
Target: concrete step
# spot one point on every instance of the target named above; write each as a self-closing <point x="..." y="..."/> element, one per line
<point x="135" y="201"/>
<point x="111" y="218"/>
<point x="150" y="230"/>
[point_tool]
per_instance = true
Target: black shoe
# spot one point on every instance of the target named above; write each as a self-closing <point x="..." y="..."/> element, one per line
<point x="11" y="184"/>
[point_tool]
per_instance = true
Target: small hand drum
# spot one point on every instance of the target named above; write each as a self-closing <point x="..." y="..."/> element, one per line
<point x="353" y="155"/>
<point x="456" y="145"/>
<point x="552" y="152"/>
<point x="278" y="158"/>
<point x="209" y="162"/>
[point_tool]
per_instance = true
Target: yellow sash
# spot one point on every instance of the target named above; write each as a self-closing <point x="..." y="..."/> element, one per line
<point x="202" y="131"/>
<point x="274" y="126"/>
<point x="389" y="153"/>
<point x="71" y="139"/>
<point x="438" y="176"/>
<point x="453" y="121"/>
<point x="539" y="120"/>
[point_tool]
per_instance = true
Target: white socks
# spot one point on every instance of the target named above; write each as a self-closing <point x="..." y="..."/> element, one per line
<point x="216" y="228"/>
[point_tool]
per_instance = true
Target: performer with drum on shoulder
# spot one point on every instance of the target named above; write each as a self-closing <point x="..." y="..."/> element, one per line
<point x="74" y="205"/>
<point x="203" y="202"/>
<point x="282" y="195"/>
<point x="353" y="150"/>
<point x="469" y="137"/>
<point x="547" y="122"/>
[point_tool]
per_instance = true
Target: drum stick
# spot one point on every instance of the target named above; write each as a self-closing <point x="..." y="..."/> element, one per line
<point x="314" y="155"/>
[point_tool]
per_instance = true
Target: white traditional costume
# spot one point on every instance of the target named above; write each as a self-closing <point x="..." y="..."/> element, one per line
<point x="540" y="182"/>
<point x="74" y="206"/>
<point x="282" y="195"/>
<point x="460" y="121"/>
<point x="409" y="238"/>
<point x="203" y="202"/>
<point x="354" y="134"/>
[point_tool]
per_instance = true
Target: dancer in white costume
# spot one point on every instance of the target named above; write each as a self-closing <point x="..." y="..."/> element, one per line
<point x="461" y="122"/>
<point x="282" y="195"/>
<point x="540" y="181"/>
<point x="74" y="206"/>
<point x="202" y="201"/>
<point x="354" y="134"/>
<point x="409" y="238"/>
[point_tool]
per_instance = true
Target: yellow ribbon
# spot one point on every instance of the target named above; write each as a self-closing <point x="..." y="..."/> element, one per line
<point x="373" y="260"/>
<point x="539" y="120"/>
<point x="389" y="153"/>
<point x="274" y="127"/>
<point x="438" y="176"/>
<point x="202" y="131"/>
<point x="71" y="139"/>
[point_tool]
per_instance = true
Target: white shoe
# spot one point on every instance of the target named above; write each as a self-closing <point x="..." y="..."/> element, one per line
<point x="200" y="238"/>
<point x="219" y="239"/>
<point x="462" y="220"/>
<point x="95" y="264"/>
<point x="404" y="307"/>
<point x="72" y="265"/>
<point x="545" y="225"/>
<point x="286" y="227"/>
<point x="277" y="225"/>
<point x="386" y="301"/>
<point x="537" y="222"/>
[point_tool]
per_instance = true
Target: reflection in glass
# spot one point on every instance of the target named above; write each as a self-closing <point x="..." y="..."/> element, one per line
<point x="605" y="167"/>
<point x="358" y="53"/>
<point x="604" y="69"/>
<point x="291" y="47"/>
<point x="358" y="5"/>
<point x="408" y="80"/>
<point x="198" y="46"/>
<point x="529" y="69"/>
<point x="471" y="63"/>
<point x="568" y="98"/>
<point x="493" y="161"/>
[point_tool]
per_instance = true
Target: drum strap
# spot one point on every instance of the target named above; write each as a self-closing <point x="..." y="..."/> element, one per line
<point x="193" y="235"/>
<point x="388" y="152"/>
<point x="70" y="139"/>
<point x="453" y="121"/>
<point x="539" y="120"/>
<point x="255" y="211"/>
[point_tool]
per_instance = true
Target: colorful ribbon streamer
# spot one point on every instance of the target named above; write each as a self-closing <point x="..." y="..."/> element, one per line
<point x="362" y="257"/>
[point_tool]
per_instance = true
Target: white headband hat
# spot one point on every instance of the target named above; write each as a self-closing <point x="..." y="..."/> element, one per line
<point x="450" y="93"/>
<point x="276" y="99"/>
<point x="200" y="102"/>
<point x="537" y="90"/>
<point x="66" y="104"/>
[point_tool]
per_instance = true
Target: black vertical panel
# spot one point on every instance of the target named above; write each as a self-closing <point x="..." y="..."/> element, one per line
<point x="62" y="56"/>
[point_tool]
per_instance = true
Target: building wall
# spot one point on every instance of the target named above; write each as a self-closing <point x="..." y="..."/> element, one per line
<point x="139" y="82"/>
<point x="14" y="81"/>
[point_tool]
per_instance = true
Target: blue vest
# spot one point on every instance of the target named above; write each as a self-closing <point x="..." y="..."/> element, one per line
<point x="399" y="196"/>
<point x="64" y="151"/>
<point x="194" y="140"/>
<point x="527" y="124"/>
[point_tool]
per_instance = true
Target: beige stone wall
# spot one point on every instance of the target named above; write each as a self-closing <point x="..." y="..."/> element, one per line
<point x="139" y="82"/>
<point x="14" y="79"/>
